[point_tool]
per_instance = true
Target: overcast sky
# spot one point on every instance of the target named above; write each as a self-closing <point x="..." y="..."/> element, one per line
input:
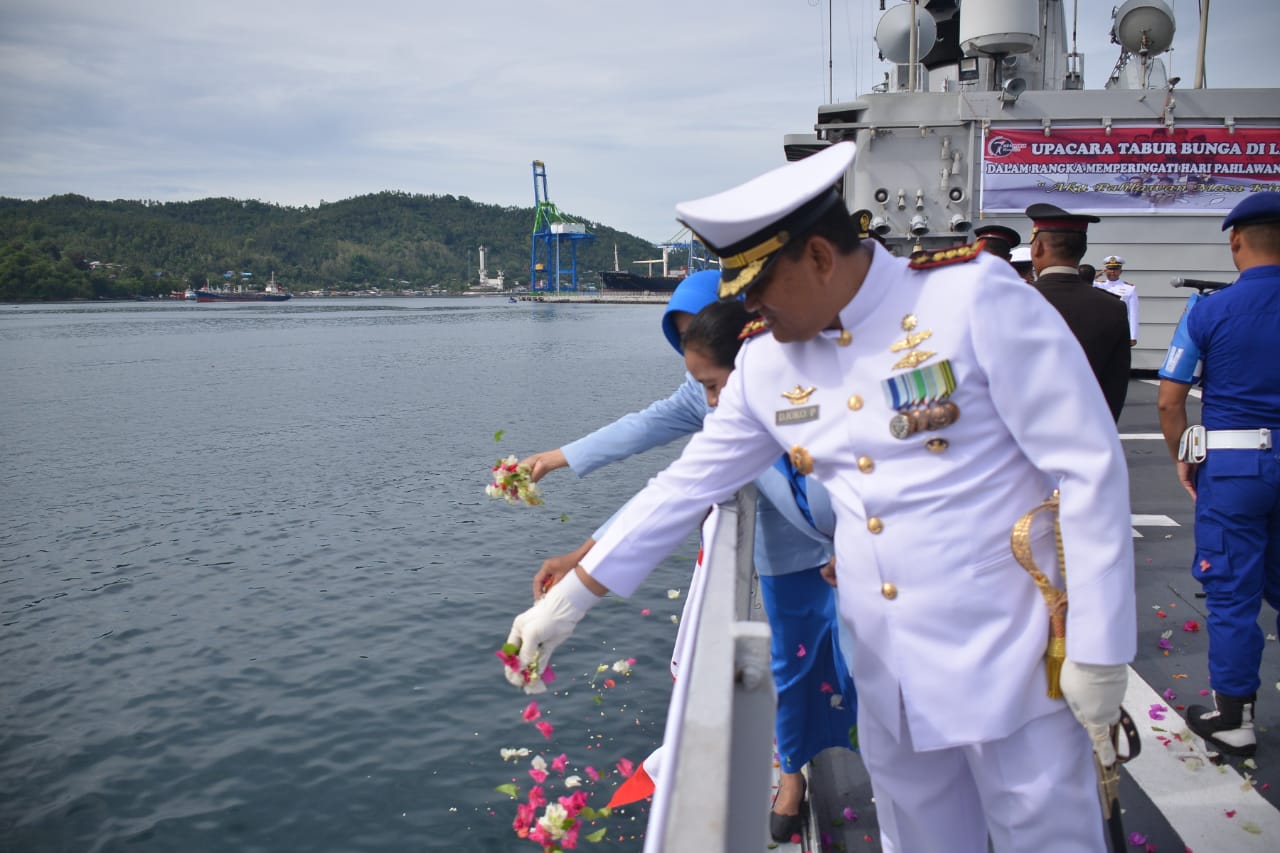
<point x="632" y="105"/>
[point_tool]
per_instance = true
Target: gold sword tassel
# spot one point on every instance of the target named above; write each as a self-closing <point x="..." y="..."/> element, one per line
<point x="1055" y="599"/>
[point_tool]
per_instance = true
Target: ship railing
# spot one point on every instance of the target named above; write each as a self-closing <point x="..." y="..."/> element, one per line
<point x="713" y="787"/>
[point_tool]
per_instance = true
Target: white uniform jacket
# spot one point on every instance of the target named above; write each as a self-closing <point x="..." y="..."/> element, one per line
<point x="1128" y="294"/>
<point x="946" y="625"/>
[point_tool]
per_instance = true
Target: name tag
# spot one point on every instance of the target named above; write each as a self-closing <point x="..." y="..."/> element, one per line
<point x="782" y="417"/>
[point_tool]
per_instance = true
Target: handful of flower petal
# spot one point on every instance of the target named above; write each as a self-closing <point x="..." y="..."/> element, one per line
<point x="534" y="681"/>
<point x="512" y="482"/>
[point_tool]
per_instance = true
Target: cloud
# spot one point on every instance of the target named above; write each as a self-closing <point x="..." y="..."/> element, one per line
<point x="632" y="106"/>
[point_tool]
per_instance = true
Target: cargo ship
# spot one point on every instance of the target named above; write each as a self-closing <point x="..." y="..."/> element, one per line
<point x="271" y="293"/>
<point x="683" y="243"/>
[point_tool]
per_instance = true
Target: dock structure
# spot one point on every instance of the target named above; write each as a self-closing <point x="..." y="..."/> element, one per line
<point x="552" y="232"/>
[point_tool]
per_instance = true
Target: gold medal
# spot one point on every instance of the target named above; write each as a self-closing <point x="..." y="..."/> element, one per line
<point x="943" y="414"/>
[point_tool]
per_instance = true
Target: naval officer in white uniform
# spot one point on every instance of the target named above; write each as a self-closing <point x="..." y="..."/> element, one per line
<point x="1112" y="266"/>
<point x="937" y="401"/>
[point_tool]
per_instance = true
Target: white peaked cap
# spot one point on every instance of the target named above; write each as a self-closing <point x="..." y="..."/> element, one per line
<point x="745" y="226"/>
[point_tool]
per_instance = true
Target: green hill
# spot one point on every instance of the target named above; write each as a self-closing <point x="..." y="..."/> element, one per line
<point x="72" y="247"/>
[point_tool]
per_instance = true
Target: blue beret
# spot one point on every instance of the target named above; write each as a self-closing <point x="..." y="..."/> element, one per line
<point x="1254" y="209"/>
<point x="691" y="296"/>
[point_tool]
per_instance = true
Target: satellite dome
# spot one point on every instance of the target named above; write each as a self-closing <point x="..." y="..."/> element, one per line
<point x="999" y="27"/>
<point x="893" y="34"/>
<point x="1144" y="27"/>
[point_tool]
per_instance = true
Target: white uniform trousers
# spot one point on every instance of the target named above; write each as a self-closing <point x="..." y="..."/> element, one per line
<point x="1035" y="790"/>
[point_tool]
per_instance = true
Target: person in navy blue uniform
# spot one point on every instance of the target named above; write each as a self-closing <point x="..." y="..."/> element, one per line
<point x="1229" y="466"/>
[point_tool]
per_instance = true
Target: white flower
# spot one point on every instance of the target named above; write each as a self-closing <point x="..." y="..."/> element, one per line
<point x="673" y="593"/>
<point x="622" y="667"/>
<point x="539" y="763"/>
<point x="512" y="754"/>
<point x="553" y="820"/>
<point x="675" y="620"/>
<point x="573" y="781"/>
<point x="836" y="699"/>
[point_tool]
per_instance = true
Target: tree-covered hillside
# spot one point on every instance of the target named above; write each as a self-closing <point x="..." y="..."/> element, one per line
<point x="68" y="246"/>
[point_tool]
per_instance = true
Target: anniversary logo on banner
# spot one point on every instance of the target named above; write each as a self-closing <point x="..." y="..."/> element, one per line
<point x="1130" y="170"/>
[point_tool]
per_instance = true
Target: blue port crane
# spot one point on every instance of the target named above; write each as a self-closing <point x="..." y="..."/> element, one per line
<point x="552" y="230"/>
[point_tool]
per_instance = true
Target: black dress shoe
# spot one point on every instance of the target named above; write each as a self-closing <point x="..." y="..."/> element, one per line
<point x="784" y="827"/>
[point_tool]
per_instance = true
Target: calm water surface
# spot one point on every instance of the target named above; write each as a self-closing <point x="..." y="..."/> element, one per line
<point x="251" y="586"/>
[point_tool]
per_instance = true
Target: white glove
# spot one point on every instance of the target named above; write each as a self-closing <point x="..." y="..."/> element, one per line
<point x="540" y="630"/>
<point x="1094" y="693"/>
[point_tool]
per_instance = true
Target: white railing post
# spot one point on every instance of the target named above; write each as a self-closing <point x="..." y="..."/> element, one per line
<point x="713" y="790"/>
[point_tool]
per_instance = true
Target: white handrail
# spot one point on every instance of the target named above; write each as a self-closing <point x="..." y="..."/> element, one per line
<point x="713" y="789"/>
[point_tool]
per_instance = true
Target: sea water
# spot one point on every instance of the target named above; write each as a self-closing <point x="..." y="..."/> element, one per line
<point x="251" y="586"/>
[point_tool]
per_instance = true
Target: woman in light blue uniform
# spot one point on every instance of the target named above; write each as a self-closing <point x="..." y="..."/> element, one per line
<point x="795" y="523"/>
<point x="817" y="706"/>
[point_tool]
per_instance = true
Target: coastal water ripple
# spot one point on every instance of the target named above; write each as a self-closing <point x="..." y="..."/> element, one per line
<point x="250" y="585"/>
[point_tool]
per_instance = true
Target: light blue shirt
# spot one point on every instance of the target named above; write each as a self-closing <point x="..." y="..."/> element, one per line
<point x="785" y="541"/>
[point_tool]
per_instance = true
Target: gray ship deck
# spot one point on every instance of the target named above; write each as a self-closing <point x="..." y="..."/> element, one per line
<point x="1172" y="795"/>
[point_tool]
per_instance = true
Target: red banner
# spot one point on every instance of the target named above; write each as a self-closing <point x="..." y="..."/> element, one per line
<point x="1129" y="169"/>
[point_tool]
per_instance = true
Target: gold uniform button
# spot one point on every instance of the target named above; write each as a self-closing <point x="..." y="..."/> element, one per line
<point x="865" y="465"/>
<point x="889" y="591"/>
<point x="855" y="402"/>
<point x="874" y="524"/>
<point x="845" y="338"/>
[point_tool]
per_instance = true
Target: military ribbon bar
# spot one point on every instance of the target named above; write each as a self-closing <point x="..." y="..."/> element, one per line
<point x="920" y="386"/>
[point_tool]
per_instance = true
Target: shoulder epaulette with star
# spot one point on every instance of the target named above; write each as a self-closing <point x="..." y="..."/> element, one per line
<point x="752" y="329"/>
<point x="945" y="257"/>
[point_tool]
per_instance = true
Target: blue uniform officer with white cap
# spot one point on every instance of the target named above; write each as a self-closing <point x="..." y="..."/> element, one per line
<point x="1230" y="466"/>
<point x="938" y="400"/>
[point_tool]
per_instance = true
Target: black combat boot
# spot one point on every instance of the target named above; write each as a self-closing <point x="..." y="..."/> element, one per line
<point x="1228" y="726"/>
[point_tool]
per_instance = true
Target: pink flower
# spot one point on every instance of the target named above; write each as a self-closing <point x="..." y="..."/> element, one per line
<point x="537" y="797"/>
<point x="545" y="727"/>
<point x="849" y="814"/>
<point x="591" y="773"/>
<point x="531" y="712"/>
<point x="1191" y="626"/>
<point x="625" y="768"/>
<point x="800" y="652"/>
<point x="1157" y="711"/>
<point x="644" y="612"/>
<point x="1169" y="695"/>
<point x="558" y="763"/>
<point x="1165" y="643"/>
<point x="525" y="816"/>
<point x="537" y="775"/>
<point x="826" y="688"/>
<point x="1231" y="813"/>
<point x="1137" y="839"/>
<point x="1204" y="692"/>
<point x="574" y="803"/>
<point x="548" y="675"/>
<point x="570" y="840"/>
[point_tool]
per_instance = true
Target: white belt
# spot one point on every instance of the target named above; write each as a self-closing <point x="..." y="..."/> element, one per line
<point x="1197" y="441"/>
<point x="1238" y="439"/>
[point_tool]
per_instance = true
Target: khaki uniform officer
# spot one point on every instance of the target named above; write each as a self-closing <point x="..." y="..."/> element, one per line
<point x="1112" y="266"/>
<point x="937" y="401"/>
